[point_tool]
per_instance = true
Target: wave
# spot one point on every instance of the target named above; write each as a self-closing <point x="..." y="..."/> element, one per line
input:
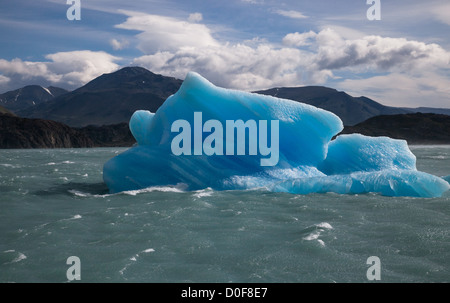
<point x="20" y="256"/>
<point x="134" y="258"/>
<point x="63" y="162"/>
<point x="179" y="188"/>
<point x="207" y="192"/>
<point x="314" y="232"/>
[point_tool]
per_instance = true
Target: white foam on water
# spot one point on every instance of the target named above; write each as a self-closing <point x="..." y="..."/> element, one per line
<point x="122" y="270"/>
<point x="312" y="236"/>
<point x="179" y="188"/>
<point x="203" y="193"/>
<point x="85" y="195"/>
<point x="8" y="165"/>
<point x="325" y="225"/>
<point x="19" y="258"/>
<point x="79" y="193"/>
<point x="134" y="259"/>
<point x="319" y="228"/>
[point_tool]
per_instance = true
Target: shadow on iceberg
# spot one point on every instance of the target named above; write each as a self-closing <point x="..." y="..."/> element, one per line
<point x="307" y="160"/>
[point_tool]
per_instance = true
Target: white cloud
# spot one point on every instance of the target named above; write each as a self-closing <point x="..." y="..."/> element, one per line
<point x="345" y="32"/>
<point x="68" y="69"/>
<point x="297" y="39"/>
<point x="236" y="66"/>
<point x="195" y="17"/>
<point x="160" y="33"/>
<point x="442" y="13"/>
<point x="174" y="47"/>
<point x="401" y="89"/>
<point x="119" y="44"/>
<point x="303" y="59"/>
<point x="4" y="80"/>
<point x="375" y="53"/>
<point x="291" y="14"/>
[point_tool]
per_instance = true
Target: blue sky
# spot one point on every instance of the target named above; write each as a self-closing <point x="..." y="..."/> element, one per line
<point x="401" y="60"/>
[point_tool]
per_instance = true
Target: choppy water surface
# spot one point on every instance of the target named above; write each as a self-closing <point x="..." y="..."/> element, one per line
<point x="54" y="205"/>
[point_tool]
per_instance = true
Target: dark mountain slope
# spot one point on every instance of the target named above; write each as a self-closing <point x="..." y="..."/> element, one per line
<point x="351" y="110"/>
<point x="18" y="132"/>
<point x="415" y="128"/>
<point x="29" y="96"/>
<point x="108" y="99"/>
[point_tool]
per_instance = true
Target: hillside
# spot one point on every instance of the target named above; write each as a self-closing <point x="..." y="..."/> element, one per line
<point x="29" y="96"/>
<point x="351" y="110"/>
<point x="108" y="99"/>
<point x="18" y="132"/>
<point x="415" y="128"/>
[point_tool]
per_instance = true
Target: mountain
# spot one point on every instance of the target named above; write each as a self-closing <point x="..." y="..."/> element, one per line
<point x="109" y="135"/>
<point x="5" y="111"/>
<point x="113" y="98"/>
<point x="415" y="128"/>
<point x="29" y="96"/>
<point x="109" y="99"/>
<point x="16" y="132"/>
<point x="37" y="133"/>
<point x="351" y="110"/>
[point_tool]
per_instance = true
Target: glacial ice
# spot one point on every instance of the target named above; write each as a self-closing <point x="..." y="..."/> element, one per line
<point x="309" y="161"/>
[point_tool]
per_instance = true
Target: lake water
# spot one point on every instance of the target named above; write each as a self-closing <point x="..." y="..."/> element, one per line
<point x="54" y="205"/>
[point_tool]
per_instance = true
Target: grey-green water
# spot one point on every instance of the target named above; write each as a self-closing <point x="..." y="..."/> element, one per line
<point x="53" y="205"/>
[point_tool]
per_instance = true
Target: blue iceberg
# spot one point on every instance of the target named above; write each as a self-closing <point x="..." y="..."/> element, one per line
<point x="209" y="137"/>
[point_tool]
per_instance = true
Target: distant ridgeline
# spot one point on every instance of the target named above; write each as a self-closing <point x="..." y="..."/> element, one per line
<point x="107" y="103"/>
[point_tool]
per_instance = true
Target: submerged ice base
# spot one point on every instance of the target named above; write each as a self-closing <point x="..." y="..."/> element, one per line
<point x="308" y="161"/>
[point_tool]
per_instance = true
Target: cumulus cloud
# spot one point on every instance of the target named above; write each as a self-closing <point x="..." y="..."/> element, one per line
<point x="380" y="53"/>
<point x="68" y="69"/>
<point x="160" y="33"/>
<point x="237" y="66"/>
<point x="298" y="40"/>
<point x="303" y="59"/>
<point x="400" y="89"/>
<point x="174" y="47"/>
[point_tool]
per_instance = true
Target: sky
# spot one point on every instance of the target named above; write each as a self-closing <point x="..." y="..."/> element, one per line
<point x="403" y="59"/>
